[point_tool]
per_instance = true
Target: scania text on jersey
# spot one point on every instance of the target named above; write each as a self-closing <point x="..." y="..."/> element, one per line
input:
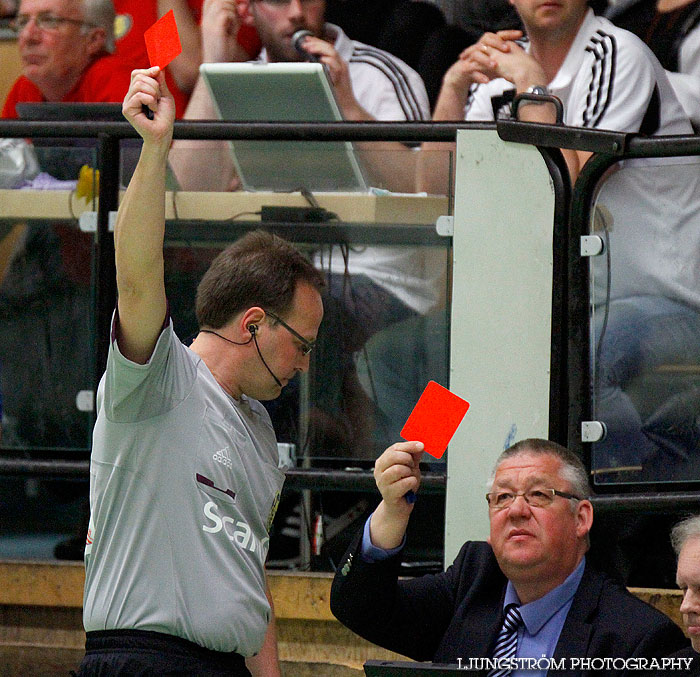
<point x="239" y="533"/>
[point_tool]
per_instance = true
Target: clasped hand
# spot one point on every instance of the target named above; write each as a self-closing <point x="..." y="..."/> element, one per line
<point x="495" y="55"/>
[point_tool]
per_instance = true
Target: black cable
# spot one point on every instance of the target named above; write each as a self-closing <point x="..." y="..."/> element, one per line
<point x="309" y="197"/>
<point x="254" y="338"/>
<point x="235" y="216"/>
<point x="235" y="343"/>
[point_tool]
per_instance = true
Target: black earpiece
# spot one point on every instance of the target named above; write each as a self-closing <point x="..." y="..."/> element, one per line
<point x="252" y="328"/>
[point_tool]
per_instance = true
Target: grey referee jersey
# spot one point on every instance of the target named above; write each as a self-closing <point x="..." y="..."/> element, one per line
<point x="183" y="485"/>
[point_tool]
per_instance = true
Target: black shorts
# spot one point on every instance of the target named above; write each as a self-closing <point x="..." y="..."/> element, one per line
<point x="142" y="653"/>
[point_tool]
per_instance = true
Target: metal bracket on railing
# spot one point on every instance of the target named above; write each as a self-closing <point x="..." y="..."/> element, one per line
<point x="592" y="245"/>
<point x="593" y="431"/>
<point x="537" y="99"/>
<point x="445" y="226"/>
<point x="88" y="222"/>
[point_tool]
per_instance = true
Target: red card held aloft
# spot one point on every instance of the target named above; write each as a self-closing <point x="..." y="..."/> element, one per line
<point x="163" y="41"/>
<point x="435" y="418"/>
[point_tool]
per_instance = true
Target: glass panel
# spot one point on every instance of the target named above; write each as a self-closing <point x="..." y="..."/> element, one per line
<point x="645" y="328"/>
<point x="46" y="292"/>
<point x="388" y="274"/>
<point x="385" y="329"/>
<point x="46" y="341"/>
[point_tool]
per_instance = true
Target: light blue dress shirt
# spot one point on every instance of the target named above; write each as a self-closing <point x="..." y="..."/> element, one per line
<point x="543" y="620"/>
<point x="370" y="552"/>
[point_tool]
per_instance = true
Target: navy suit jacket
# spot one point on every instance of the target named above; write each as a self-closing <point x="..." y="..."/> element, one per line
<point x="458" y="613"/>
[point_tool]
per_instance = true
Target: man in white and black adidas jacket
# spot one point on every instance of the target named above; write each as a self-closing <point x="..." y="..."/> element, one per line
<point x="369" y="83"/>
<point x="605" y="77"/>
<point x="608" y="79"/>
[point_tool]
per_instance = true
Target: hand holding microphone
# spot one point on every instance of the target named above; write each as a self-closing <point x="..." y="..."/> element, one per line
<point x="298" y="41"/>
<point x="336" y="70"/>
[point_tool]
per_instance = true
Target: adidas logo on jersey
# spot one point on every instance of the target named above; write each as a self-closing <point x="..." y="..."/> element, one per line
<point x="223" y="456"/>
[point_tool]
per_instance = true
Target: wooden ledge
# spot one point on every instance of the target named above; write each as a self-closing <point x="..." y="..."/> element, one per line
<point x="297" y="595"/>
<point x="301" y="596"/>
<point x="55" y="584"/>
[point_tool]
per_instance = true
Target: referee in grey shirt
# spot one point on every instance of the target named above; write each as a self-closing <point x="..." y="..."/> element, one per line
<point x="184" y="476"/>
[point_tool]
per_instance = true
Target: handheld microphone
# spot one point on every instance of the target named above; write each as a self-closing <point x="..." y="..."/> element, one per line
<point x="297" y="40"/>
<point x="252" y="329"/>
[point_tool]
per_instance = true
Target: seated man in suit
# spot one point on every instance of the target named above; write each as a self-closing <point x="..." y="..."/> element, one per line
<point x="532" y="572"/>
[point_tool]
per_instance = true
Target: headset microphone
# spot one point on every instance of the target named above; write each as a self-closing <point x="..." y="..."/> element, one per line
<point x="253" y="329"/>
<point x="297" y="40"/>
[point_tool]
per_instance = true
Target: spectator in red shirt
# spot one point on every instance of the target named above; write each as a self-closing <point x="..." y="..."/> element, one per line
<point x="65" y="48"/>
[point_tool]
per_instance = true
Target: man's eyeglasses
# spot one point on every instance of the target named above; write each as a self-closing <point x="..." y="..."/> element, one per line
<point x="537" y="498"/>
<point x="306" y="345"/>
<point x="44" y="22"/>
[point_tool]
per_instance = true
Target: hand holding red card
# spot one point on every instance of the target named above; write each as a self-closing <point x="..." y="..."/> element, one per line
<point x="435" y="418"/>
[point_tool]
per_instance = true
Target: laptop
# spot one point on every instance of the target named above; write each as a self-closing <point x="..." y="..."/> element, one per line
<point x="410" y="669"/>
<point x="283" y="92"/>
<point x="49" y="111"/>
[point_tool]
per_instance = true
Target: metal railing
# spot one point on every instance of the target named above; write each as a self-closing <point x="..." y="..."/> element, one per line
<point x="108" y="136"/>
<point x="609" y="148"/>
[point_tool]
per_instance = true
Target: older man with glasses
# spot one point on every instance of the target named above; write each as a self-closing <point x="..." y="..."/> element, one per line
<point x="527" y="593"/>
<point x="65" y="48"/>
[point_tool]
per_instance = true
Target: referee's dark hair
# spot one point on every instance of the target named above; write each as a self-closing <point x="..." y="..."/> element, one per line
<point x="259" y="269"/>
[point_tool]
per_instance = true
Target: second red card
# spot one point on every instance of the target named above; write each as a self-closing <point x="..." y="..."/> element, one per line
<point x="435" y="418"/>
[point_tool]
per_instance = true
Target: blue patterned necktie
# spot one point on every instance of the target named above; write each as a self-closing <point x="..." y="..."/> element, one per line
<point x="507" y="642"/>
